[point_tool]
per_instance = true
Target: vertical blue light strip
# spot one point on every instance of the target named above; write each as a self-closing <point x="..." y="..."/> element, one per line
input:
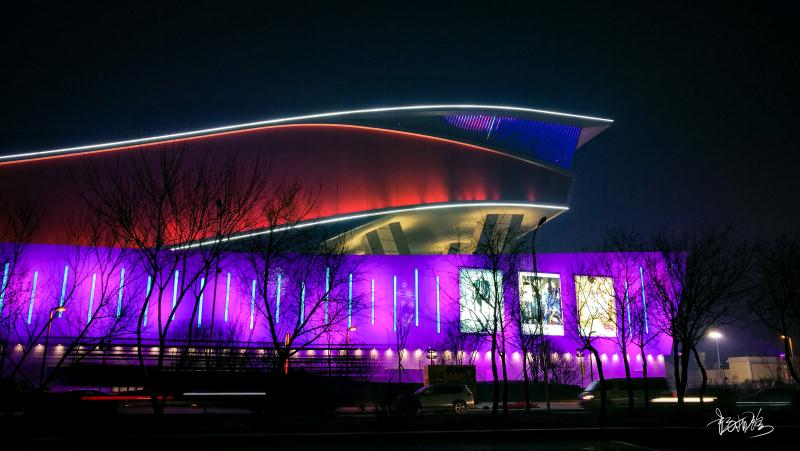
<point x="327" y="288"/>
<point x="302" y="301"/>
<point x="278" y="300"/>
<point x="350" y="301"/>
<point x="644" y="300"/>
<point x="200" y="305"/>
<point x="372" y="303"/>
<point x="63" y="290"/>
<point x="416" y="297"/>
<point x="33" y="296"/>
<point x="394" y="303"/>
<point x="175" y="294"/>
<point x="119" y="296"/>
<point x="3" y="287"/>
<point x="438" y="317"/>
<point x="628" y="309"/>
<point x="91" y="300"/>
<point x="227" y="295"/>
<point x="147" y="300"/>
<point x="253" y="306"/>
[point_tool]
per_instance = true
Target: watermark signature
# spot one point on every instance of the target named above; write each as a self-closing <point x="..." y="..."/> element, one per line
<point x="746" y="423"/>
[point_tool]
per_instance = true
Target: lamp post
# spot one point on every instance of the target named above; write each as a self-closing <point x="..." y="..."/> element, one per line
<point x="716" y="335"/>
<point x="536" y="294"/>
<point x="60" y="309"/>
<point x="533" y="246"/>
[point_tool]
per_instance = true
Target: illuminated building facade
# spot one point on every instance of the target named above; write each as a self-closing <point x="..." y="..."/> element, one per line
<point x="402" y="181"/>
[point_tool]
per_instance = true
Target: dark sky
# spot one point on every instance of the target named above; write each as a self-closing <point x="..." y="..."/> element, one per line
<point x="704" y="98"/>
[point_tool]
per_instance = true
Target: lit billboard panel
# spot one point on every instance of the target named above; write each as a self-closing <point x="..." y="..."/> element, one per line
<point x="596" y="313"/>
<point x="479" y="290"/>
<point x="545" y="316"/>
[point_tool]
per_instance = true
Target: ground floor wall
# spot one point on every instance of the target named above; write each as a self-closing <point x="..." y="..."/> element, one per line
<point x="397" y="313"/>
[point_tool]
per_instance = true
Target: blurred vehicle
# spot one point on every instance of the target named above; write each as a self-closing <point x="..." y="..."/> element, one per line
<point x="778" y="396"/>
<point x="617" y="392"/>
<point x="438" y="397"/>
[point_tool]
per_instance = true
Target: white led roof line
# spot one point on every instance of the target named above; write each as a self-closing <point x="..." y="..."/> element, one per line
<point x="370" y="214"/>
<point x="79" y="149"/>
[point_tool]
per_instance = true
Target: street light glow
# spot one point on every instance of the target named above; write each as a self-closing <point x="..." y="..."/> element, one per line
<point x="714" y="335"/>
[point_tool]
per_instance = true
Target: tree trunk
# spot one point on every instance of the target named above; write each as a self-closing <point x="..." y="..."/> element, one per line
<point x="495" y="379"/>
<point x="525" y="381"/>
<point x="546" y="376"/>
<point x="702" y="372"/>
<point x="676" y="367"/>
<point x="602" y="383"/>
<point x="628" y="382"/>
<point x="684" y="361"/>
<point x="505" y="382"/>
<point x="644" y="377"/>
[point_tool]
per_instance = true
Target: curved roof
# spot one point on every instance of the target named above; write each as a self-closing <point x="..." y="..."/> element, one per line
<point x="548" y="136"/>
<point x="398" y="179"/>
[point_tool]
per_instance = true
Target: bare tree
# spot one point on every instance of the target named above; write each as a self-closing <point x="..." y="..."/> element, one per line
<point x="483" y="280"/>
<point x="402" y="323"/>
<point x="175" y="211"/>
<point x="642" y="334"/>
<point x="81" y="331"/>
<point x="595" y="307"/>
<point x="19" y="222"/>
<point x="700" y="281"/>
<point x="620" y="262"/>
<point x="302" y="278"/>
<point x="777" y="298"/>
<point x="95" y="256"/>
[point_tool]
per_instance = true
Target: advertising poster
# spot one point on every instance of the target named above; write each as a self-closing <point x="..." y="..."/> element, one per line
<point x="478" y="290"/>
<point x="596" y="313"/>
<point x="544" y="317"/>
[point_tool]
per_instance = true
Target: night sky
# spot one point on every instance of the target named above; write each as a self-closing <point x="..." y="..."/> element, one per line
<point x="704" y="99"/>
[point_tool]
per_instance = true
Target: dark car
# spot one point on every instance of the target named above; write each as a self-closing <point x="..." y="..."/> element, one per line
<point x="617" y="392"/>
<point x="438" y="397"/>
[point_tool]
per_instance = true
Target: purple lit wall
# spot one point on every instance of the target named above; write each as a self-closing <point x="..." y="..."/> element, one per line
<point x="383" y="289"/>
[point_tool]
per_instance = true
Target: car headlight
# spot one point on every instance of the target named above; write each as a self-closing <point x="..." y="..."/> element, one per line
<point x="587" y="397"/>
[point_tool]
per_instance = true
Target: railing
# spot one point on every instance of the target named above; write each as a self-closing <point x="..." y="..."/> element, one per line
<point x="180" y="355"/>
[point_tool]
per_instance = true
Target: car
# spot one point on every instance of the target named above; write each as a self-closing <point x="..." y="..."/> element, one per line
<point x="617" y="392"/>
<point x="438" y="397"/>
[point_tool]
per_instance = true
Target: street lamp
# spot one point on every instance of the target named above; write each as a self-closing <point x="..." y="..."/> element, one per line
<point x="432" y="355"/>
<point x="347" y="336"/>
<point x="59" y="309"/>
<point x="716" y="335"/>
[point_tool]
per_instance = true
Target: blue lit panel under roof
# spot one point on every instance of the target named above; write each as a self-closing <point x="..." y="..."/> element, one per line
<point x="545" y="141"/>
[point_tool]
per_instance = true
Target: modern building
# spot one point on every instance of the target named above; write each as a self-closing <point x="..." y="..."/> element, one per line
<point x="764" y="370"/>
<point x="415" y="187"/>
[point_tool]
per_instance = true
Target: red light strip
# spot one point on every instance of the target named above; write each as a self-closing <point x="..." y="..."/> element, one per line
<point x="272" y="127"/>
<point x="123" y="398"/>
